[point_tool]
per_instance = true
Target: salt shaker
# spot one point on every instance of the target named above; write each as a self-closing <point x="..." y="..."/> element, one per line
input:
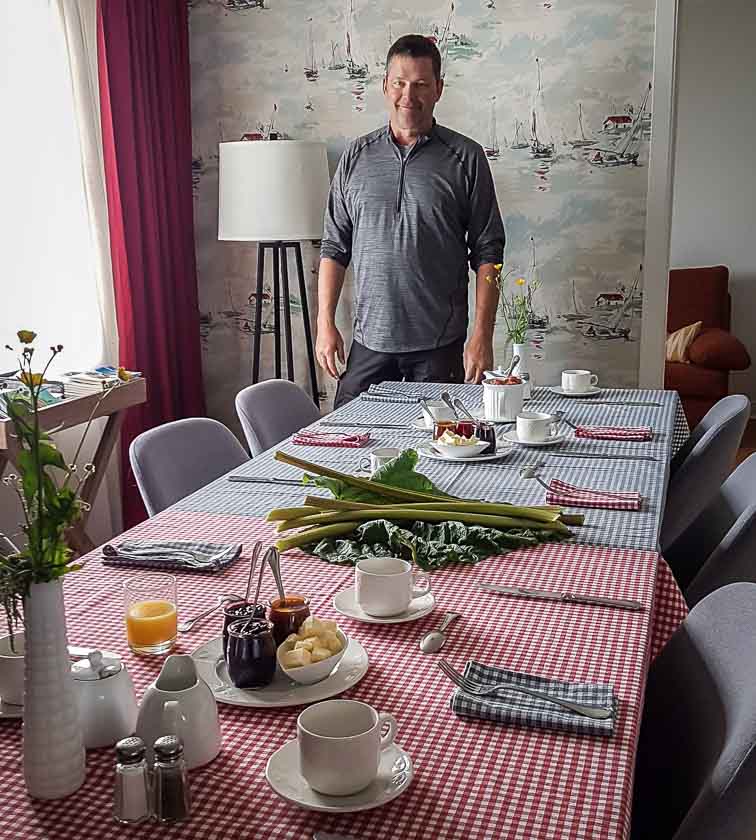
<point x="131" y="799"/>
<point x="170" y="782"/>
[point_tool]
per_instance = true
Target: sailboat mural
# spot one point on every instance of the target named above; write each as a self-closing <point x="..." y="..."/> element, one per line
<point x="536" y="320"/>
<point x="627" y="150"/>
<point x="491" y="147"/>
<point x="581" y="141"/>
<point x="540" y="146"/>
<point x="519" y="141"/>
<point x="356" y="66"/>
<point x="311" y="64"/>
<point x="587" y="215"/>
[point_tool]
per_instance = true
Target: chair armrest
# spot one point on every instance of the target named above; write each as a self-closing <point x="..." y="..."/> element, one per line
<point x="719" y="350"/>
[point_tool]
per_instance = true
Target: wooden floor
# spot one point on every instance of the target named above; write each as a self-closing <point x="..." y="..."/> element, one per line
<point x="748" y="444"/>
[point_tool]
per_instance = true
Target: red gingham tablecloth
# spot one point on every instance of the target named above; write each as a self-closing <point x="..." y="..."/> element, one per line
<point x="473" y="779"/>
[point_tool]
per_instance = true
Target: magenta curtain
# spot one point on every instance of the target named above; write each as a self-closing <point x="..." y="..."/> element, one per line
<point x="143" y="48"/>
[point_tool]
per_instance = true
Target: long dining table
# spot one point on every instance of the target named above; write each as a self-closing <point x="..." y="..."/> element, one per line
<point x="472" y="778"/>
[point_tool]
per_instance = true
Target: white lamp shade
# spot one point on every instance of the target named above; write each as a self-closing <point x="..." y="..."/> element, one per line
<point x="271" y="190"/>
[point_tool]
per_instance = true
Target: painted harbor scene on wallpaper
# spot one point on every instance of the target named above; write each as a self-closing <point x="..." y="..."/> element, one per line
<point x="558" y="94"/>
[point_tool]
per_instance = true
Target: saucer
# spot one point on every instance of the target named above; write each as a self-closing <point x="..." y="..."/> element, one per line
<point x="10" y="711"/>
<point x="512" y="438"/>
<point x="426" y="450"/>
<point x="345" y="603"/>
<point x="394" y="777"/>
<point x="590" y="392"/>
<point x="282" y="691"/>
<point x="419" y="425"/>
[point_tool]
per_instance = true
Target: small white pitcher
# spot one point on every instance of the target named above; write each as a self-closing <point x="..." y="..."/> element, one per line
<point x="180" y="702"/>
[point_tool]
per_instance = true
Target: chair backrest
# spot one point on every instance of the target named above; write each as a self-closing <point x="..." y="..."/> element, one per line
<point x="698" y="294"/>
<point x="175" y="459"/>
<point x="696" y="767"/>
<point x="270" y="411"/>
<point x="702" y="464"/>
<point x="719" y="547"/>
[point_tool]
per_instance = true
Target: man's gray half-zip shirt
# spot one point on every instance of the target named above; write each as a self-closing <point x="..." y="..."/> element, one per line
<point x="410" y="225"/>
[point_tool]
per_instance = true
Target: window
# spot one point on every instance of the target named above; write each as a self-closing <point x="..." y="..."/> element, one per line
<point x="47" y="280"/>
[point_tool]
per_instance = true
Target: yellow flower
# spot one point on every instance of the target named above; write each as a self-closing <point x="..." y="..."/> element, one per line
<point x="498" y="266"/>
<point x="26" y="336"/>
<point x="123" y="374"/>
<point x="520" y="281"/>
<point x="31" y="380"/>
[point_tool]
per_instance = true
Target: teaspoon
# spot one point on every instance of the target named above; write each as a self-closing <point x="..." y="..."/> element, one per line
<point x="433" y="642"/>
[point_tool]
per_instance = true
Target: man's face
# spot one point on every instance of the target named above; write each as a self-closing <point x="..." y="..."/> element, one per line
<point x="411" y="91"/>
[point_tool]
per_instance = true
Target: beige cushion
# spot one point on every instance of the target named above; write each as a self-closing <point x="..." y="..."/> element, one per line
<point x="680" y="340"/>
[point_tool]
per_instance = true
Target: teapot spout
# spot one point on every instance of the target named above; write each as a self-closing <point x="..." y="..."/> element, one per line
<point x="179" y="673"/>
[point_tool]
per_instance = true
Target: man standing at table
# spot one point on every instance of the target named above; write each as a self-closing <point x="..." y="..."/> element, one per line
<point x="411" y="204"/>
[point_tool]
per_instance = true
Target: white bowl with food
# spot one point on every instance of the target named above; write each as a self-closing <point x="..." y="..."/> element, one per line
<point x="309" y="656"/>
<point x="452" y="445"/>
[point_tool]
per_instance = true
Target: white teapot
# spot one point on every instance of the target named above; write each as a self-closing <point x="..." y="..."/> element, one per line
<point x="180" y="702"/>
<point x="107" y="702"/>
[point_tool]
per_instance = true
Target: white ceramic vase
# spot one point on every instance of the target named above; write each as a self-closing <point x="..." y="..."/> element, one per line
<point x="522" y="368"/>
<point x="53" y="747"/>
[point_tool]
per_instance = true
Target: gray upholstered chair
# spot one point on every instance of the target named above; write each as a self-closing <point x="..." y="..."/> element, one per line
<point x="695" y="776"/>
<point x="270" y="411"/>
<point x="702" y="464"/>
<point x="719" y="547"/>
<point x="175" y="459"/>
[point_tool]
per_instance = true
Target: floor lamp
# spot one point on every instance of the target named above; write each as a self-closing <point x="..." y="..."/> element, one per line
<point x="274" y="192"/>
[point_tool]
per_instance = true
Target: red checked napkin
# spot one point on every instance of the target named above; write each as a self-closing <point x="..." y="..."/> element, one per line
<point x="562" y="493"/>
<point x="331" y="439"/>
<point x="614" y="432"/>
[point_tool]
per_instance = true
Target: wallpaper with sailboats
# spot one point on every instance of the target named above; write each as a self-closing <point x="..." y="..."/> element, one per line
<point x="558" y="94"/>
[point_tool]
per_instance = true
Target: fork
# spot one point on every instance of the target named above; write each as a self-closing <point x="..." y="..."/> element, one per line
<point x="470" y="687"/>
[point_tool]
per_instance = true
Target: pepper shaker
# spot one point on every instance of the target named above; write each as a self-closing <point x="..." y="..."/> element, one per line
<point x="170" y="782"/>
<point x="131" y="799"/>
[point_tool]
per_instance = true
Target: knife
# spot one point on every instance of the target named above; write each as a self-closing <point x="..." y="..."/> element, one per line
<point x="253" y="479"/>
<point x="621" y="402"/>
<point x="601" y="456"/>
<point x="564" y="597"/>
<point x="350" y="423"/>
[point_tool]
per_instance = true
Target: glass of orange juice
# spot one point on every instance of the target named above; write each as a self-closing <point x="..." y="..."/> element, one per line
<point x="150" y="601"/>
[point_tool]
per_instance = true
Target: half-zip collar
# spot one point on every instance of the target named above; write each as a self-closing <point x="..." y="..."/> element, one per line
<point x="404" y="159"/>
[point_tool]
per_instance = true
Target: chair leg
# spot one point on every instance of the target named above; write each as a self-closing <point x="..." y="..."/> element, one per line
<point x="277" y="307"/>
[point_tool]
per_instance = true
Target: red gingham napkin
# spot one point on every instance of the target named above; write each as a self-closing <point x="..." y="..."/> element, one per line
<point x="331" y="439"/>
<point x="614" y="432"/>
<point x="562" y="493"/>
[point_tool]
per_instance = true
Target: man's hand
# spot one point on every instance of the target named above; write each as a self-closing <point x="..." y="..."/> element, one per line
<point x="329" y="346"/>
<point x="478" y="357"/>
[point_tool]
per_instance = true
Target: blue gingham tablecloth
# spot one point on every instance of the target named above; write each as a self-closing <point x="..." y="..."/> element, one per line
<point x="499" y="480"/>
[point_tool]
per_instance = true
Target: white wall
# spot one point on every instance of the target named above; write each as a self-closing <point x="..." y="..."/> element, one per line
<point x="714" y="208"/>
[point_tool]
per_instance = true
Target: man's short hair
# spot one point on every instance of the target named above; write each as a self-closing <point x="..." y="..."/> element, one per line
<point x="416" y="46"/>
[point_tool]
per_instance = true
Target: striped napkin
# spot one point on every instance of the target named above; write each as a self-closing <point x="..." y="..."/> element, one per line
<point x="615" y="432"/>
<point x="517" y="709"/>
<point x="376" y="393"/>
<point x="179" y="555"/>
<point x="562" y="493"/>
<point x="331" y="439"/>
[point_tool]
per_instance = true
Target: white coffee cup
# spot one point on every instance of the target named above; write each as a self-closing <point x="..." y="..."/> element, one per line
<point x="439" y="410"/>
<point x="578" y="381"/>
<point x="502" y="402"/>
<point x="536" y="427"/>
<point x="340" y="745"/>
<point x="386" y="585"/>
<point x="12" y="670"/>
<point x="379" y="457"/>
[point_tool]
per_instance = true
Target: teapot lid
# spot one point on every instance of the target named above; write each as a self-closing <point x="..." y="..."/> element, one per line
<point x="96" y="667"/>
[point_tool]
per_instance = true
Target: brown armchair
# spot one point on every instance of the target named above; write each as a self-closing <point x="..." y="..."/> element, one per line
<point x="702" y="294"/>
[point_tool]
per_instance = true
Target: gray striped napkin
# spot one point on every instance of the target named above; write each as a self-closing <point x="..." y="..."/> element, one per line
<point x="520" y="710"/>
<point x="377" y="394"/>
<point x="179" y="555"/>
